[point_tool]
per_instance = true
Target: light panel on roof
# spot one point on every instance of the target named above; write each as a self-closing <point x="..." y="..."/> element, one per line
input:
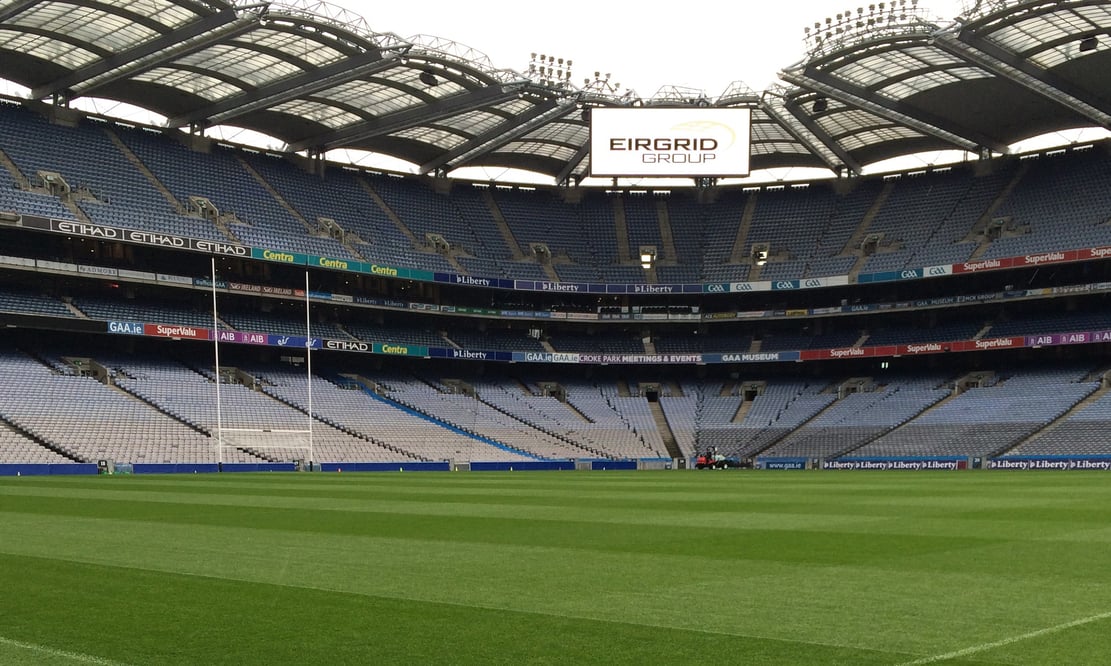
<point x="47" y="49"/>
<point x="252" y="67"/>
<point x="197" y="84"/>
<point x="329" y="116"/>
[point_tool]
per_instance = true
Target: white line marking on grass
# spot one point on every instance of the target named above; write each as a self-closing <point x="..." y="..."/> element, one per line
<point x="1007" y="641"/>
<point x="63" y="654"/>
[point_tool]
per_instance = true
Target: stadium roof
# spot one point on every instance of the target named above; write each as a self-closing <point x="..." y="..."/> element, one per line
<point x="876" y="83"/>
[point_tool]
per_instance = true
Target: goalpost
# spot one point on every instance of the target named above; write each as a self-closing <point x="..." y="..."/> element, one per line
<point x="283" y="441"/>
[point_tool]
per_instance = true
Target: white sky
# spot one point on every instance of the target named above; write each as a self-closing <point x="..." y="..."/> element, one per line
<point x="645" y="45"/>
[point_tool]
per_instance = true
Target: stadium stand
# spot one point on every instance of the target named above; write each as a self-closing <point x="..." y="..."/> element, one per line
<point x="861" y="416"/>
<point x="264" y="201"/>
<point x="1082" y="431"/>
<point x="87" y="420"/>
<point x="985" y="420"/>
<point x="14" y="299"/>
<point x="122" y="176"/>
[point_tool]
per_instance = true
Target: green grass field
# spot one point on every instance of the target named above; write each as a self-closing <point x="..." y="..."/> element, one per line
<point x="571" y="567"/>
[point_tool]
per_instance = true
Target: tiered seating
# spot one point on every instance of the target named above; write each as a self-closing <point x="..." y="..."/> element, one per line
<point x="395" y="334"/>
<point x="789" y="221"/>
<point x="1077" y="178"/>
<point x="947" y="243"/>
<point x="93" y="421"/>
<point x="1082" y="432"/>
<point x="907" y="335"/>
<point x="928" y="216"/>
<point x="541" y="217"/>
<point x="687" y="227"/>
<point x="642" y="221"/>
<point x="984" y="420"/>
<point x="219" y="177"/>
<point x="549" y="414"/>
<point x="339" y="196"/>
<point x="86" y="157"/>
<point x="151" y="312"/>
<point x="783" y="405"/>
<point x="1059" y="322"/>
<point x="779" y="341"/>
<point x="15" y="448"/>
<point x="833" y="235"/>
<point x="191" y="397"/>
<point x="709" y="342"/>
<point x="378" y="431"/>
<point x="475" y="416"/>
<point x="492" y="252"/>
<point x="606" y="343"/>
<point x="497" y="339"/>
<point x="423" y="211"/>
<point x="30" y="203"/>
<point x="14" y="299"/>
<point x="913" y="211"/>
<point x="624" y="423"/>
<point x="722" y="222"/>
<point x="860" y="417"/>
<point x="281" y="325"/>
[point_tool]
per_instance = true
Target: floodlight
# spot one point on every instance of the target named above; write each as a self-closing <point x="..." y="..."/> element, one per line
<point x="760" y="254"/>
<point x="428" y="78"/>
<point x="821" y="104"/>
<point x="1088" y="44"/>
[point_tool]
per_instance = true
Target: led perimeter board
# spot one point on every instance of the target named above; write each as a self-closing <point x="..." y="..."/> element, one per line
<point x="688" y="142"/>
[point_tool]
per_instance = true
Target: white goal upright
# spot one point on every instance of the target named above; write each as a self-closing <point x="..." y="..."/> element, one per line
<point x="283" y="443"/>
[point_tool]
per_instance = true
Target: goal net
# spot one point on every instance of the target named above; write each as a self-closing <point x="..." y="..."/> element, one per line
<point x="275" y="445"/>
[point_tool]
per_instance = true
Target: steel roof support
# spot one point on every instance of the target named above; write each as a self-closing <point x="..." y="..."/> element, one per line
<point x="819" y="142"/>
<point x="852" y="95"/>
<point x="500" y="135"/>
<point x="565" y="174"/>
<point x="182" y="41"/>
<point x="439" y="109"/>
<point x="1013" y="67"/>
<point x="16" y="8"/>
<point x="293" y="87"/>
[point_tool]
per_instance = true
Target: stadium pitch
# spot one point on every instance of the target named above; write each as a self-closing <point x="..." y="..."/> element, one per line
<point x="575" y="567"/>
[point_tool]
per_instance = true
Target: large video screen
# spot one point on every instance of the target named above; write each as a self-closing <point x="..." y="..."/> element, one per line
<point x="689" y="142"/>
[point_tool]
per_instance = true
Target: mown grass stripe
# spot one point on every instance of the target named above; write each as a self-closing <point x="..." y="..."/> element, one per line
<point x="890" y="567"/>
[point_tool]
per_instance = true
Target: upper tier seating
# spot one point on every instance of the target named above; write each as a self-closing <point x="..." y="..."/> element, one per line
<point x="1062" y="203"/>
<point x="923" y="219"/>
<point x="15" y="299"/>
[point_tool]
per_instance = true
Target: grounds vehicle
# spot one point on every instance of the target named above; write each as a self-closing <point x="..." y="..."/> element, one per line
<point x="718" y="461"/>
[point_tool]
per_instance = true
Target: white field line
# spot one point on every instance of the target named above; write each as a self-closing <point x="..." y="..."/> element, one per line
<point x="984" y="647"/>
<point x="62" y="654"/>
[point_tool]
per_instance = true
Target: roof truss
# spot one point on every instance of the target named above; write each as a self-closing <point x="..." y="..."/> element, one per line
<point x="411" y="117"/>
